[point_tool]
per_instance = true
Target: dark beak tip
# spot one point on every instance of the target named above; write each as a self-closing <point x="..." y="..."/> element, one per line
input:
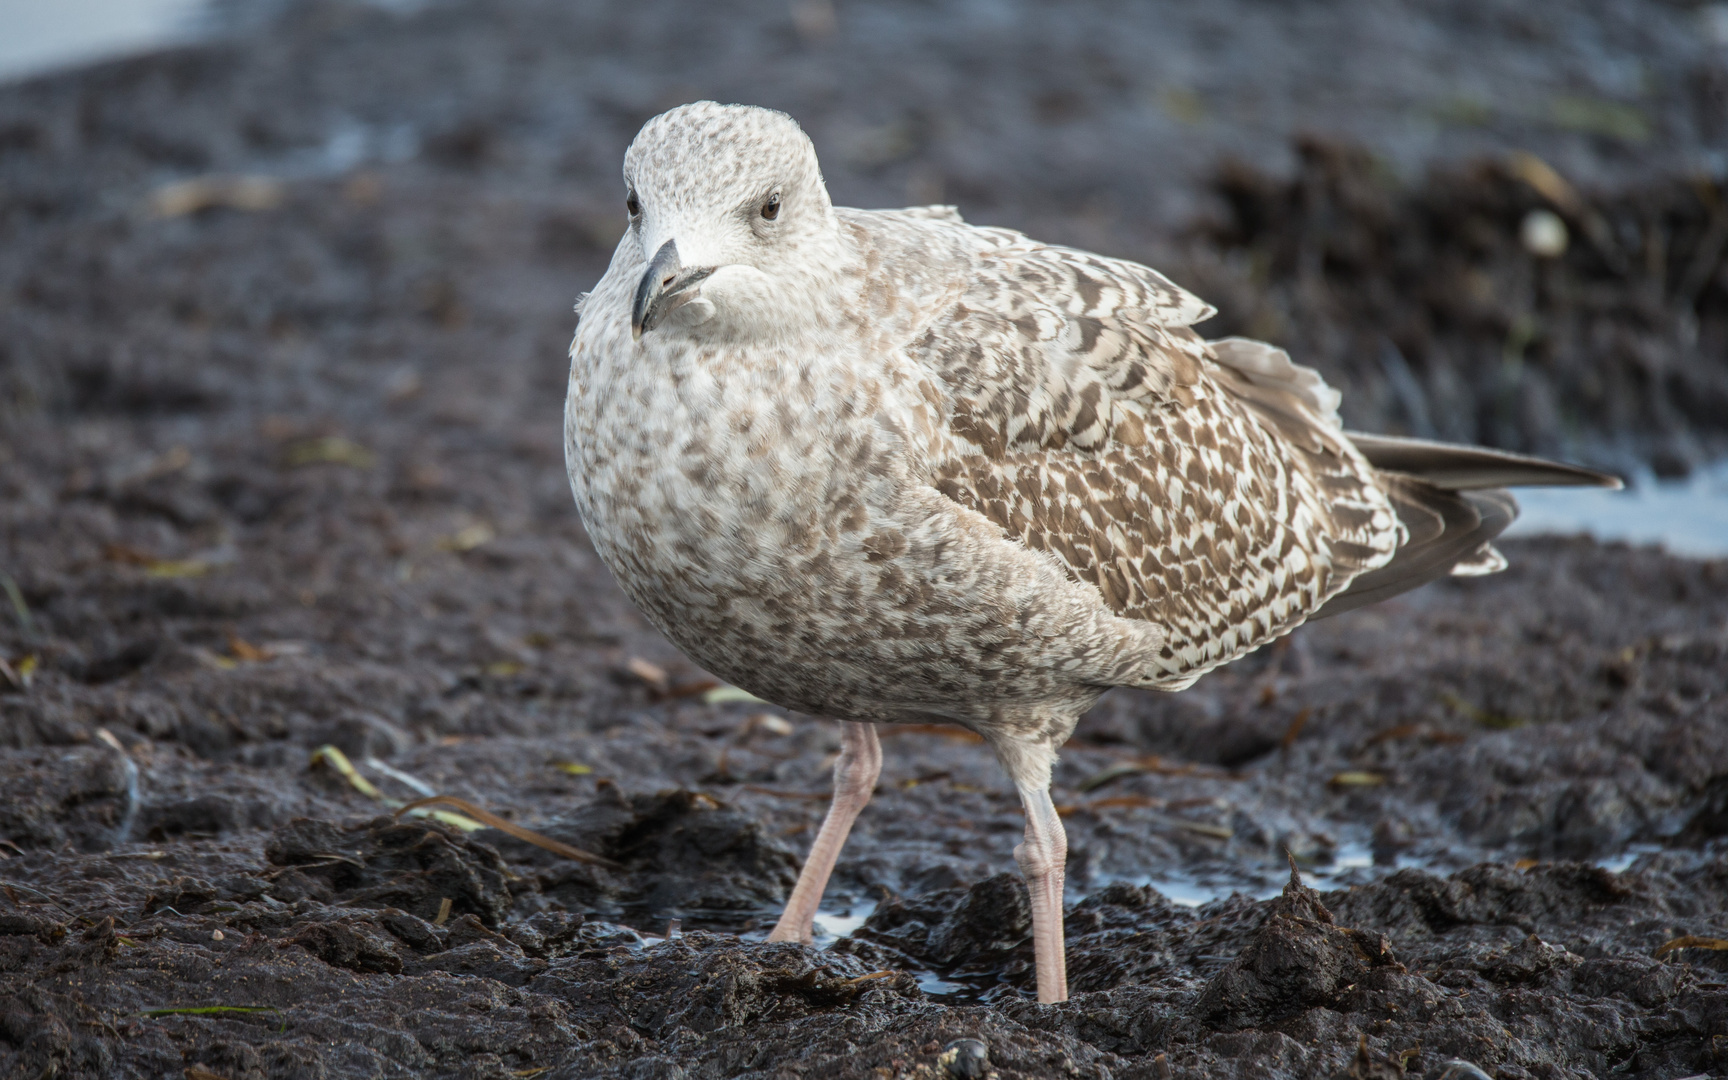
<point x="662" y="271"/>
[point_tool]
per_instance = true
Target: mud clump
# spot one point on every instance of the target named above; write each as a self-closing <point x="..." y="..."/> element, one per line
<point x="66" y="796"/>
<point x="1298" y="959"/>
<point x="1312" y="994"/>
<point x="673" y="853"/>
<point x="389" y="863"/>
<point x="954" y="928"/>
<point x="351" y="943"/>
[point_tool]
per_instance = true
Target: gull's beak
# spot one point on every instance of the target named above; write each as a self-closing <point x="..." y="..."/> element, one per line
<point x="665" y="287"/>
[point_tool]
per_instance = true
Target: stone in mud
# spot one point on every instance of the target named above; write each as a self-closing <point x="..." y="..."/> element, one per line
<point x="677" y="851"/>
<point x="414" y="932"/>
<point x="965" y="1059"/>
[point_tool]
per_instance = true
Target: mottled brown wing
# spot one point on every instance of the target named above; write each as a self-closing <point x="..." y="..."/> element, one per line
<point x="1207" y="491"/>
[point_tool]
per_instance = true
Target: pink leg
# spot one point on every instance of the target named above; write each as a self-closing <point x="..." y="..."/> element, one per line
<point x="854" y="779"/>
<point x="1043" y="859"/>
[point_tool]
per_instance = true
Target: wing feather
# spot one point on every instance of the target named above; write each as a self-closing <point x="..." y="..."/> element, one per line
<point x="1207" y="489"/>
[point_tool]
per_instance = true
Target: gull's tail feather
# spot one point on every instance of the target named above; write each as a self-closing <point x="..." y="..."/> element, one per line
<point x="1471" y="468"/>
<point x="1453" y="503"/>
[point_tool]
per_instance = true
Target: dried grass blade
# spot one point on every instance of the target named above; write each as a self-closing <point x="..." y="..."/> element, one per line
<point x="1691" y="941"/>
<point x="557" y="847"/>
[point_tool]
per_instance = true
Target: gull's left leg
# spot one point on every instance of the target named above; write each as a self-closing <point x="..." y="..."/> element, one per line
<point x="1043" y="860"/>
<point x="855" y="773"/>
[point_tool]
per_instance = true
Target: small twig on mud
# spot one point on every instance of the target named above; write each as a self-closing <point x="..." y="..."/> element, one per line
<point x="557" y="847"/>
<point x="12" y="888"/>
<point x="336" y="759"/>
<point x="1691" y="941"/>
<point x="1497" y="721"/>
<point x="1355" y="778"/>
<point x="324" y="859"/>
<point x="873" y="976"/>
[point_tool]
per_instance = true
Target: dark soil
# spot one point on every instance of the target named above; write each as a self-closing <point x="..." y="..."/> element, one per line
<point x="1423" y="300"/>
<point x="281" y="470"/>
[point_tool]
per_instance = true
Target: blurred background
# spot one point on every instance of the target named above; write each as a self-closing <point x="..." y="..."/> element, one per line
<point x="1485" y="222"/>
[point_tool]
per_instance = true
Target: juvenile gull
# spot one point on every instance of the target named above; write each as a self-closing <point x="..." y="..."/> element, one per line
<point x="889" y="467"/>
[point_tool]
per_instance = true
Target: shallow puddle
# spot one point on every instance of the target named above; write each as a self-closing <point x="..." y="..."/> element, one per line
<point x="1687" y="517"/>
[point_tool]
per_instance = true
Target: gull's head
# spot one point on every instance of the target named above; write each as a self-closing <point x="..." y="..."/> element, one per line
<point x="730" y="216"/>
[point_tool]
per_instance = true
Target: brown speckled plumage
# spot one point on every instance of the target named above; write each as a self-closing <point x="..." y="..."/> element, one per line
<point x="887" y="466"/>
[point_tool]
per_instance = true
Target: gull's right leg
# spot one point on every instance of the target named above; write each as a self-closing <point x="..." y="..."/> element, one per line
<point x="1043" y="857"/>
<point x="855" y="775"/>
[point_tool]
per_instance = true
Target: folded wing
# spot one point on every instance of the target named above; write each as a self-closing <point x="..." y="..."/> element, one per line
<point x="1087" y="421"/>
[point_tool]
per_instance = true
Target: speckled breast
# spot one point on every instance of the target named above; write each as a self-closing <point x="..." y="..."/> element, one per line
<point x="767" y="519"/>
<point x="735" y="506"/>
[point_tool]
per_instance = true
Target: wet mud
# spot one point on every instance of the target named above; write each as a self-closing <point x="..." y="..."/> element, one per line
<point x="287" y="544"/>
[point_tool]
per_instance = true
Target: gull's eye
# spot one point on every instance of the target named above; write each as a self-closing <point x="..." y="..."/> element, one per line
<point x="633" y="204"/>
<point x="771" y="208"/>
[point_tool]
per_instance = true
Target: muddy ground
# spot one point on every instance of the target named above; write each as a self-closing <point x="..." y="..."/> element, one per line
<point x="281" y="471"/>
